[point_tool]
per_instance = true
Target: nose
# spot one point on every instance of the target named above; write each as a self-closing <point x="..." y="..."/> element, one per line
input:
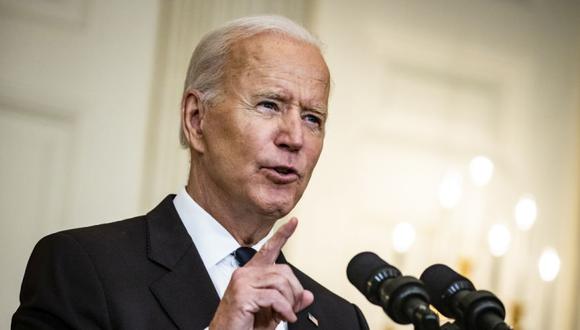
<point x="290" y="135"/>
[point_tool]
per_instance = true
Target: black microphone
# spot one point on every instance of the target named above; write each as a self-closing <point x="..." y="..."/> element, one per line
<point x="456" y="297"/>
<point x="403" y="298"/>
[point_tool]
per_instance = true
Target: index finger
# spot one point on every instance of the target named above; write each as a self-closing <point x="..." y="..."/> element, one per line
<point x="271" y="250"/>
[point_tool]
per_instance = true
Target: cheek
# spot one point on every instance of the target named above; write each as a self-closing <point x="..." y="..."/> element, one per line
<point x="233" y="136"/>
<point x="313" y="150"/>
<point x="257" y="137"/>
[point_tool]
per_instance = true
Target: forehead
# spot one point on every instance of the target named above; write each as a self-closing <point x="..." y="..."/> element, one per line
<point x="270" y="57"/>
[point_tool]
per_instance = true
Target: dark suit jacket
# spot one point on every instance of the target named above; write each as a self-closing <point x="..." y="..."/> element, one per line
<point x="140" y="273"/>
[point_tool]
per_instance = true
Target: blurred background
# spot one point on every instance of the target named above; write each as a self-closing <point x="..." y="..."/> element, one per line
<point x="454" y="135"/>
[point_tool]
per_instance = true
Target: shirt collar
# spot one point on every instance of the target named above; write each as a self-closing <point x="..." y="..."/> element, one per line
<point x="212" y="240"/>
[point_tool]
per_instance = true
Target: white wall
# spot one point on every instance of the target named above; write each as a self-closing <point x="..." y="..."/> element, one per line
<point x="420" y="88"/>
<point x="89" y="97"/>
<point x="75" y="80"/>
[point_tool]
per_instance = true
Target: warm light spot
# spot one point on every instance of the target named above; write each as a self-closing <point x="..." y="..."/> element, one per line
<point x="549" y="265"/>
<point x="403" y="237"/>
<point x="481" y="170"/>
<point x="526" y="212"/>
<point x="499" y="239"/>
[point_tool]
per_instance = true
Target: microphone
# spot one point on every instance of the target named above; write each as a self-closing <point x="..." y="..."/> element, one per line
<point x="456" y="297"/>
<point x="403" y="298"/>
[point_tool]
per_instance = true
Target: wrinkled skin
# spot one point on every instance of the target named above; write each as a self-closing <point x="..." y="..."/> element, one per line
<point x="253" y="150"/>
<point x="271" y="115"/>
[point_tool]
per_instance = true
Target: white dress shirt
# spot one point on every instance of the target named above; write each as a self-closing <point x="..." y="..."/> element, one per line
<point x="213" y="242"/>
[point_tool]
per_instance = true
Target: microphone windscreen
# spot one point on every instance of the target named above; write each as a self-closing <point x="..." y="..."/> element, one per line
<point x="442" y="283"/>
<point x="361" y="267"/>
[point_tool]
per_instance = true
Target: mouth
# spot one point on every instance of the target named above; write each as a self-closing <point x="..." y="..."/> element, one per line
<point x="284" y="170"/>
<point x="281" y="174"/>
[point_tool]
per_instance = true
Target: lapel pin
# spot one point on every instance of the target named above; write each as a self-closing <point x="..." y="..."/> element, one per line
<point x="313" y="319"/>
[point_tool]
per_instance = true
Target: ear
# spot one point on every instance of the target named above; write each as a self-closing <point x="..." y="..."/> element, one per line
<point x="192" y="115"/>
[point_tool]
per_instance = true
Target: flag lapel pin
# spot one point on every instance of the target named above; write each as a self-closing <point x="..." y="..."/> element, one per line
<point x="313" y="319"/>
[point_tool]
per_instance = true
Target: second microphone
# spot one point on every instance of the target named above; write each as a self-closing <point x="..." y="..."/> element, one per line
<point x="403" y="298"/>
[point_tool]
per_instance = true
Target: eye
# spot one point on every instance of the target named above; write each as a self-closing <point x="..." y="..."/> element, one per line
<point x="269" y="105"/>
<point x="310" y="118"/>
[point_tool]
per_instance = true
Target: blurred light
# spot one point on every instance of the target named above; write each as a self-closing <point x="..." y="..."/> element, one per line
<point x="450" y="190"/>
<point x="403" y="237"/>
<point x="481" y="170"/>
<point x="499" y="239"/>
<point x="549" y="265"/>
<point x="526" y="212"/>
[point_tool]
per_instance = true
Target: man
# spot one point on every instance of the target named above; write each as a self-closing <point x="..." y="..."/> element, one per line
<point x="253" y="114"/>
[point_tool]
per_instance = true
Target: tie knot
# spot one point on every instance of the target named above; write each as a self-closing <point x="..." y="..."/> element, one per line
<point x="243" y="255"/>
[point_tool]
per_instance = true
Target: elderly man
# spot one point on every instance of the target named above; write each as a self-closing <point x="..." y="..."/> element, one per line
<point x="253" y="115"/>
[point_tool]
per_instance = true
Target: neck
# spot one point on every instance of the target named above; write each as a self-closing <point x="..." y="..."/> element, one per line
<point x="245" y="226"/>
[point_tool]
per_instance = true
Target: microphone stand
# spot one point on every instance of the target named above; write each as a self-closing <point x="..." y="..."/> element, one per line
<point x="454" y="326"/>
<point x="450" y="326"/>
<point x="424" y="318"/>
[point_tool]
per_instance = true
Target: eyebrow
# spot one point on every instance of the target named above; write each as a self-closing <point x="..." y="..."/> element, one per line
<point x="273" y="95"/>
<point x="319" y="108"/>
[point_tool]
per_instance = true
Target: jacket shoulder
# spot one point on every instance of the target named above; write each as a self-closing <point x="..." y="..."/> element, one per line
<point x="109" y="228"/>
<point x="311" y="284"/>
<point x="335" y="309"/>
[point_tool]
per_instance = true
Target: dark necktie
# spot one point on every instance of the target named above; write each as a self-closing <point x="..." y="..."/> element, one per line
<point x="244" y="254"/>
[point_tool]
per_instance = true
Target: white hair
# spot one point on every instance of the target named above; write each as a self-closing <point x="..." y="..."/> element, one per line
<point x="206" y="67"/>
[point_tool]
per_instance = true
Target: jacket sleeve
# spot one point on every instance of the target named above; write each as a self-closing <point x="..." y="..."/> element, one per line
<point x="361" y="318"/>
<point x="61" y="288"/>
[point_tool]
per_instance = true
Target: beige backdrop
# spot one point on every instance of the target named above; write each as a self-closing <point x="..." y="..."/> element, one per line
<point x="89" y="94"/>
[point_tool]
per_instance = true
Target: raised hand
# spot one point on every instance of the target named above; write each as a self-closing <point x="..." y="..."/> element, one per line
<point x="263" y="293"/>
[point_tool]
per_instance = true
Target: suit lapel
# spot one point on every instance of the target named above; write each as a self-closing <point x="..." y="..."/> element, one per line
<point x="304" y="322"/>
<point x="186" y="291"/>
<point x="308" y="316"/>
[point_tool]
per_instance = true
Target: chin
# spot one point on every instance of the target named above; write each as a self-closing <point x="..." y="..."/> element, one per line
<point x="276" y="208"/>
<point x="274" y="202"/>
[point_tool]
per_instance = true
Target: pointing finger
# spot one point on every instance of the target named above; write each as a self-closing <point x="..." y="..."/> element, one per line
<point x="271" y="250"/>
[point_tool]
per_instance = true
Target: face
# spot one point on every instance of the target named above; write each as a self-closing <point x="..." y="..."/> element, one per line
<point x="264" y="134"/>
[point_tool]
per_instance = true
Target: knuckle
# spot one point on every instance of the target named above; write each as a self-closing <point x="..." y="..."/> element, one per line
<point x="265" y="248"/>
<point x="284" y="269"/>
<point x="279" y="280"/>
<point x="238" y="274"/>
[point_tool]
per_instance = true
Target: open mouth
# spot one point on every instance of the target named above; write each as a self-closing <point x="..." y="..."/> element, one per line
<point x="281" y="174"/>
<point x="284" y="170"/>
